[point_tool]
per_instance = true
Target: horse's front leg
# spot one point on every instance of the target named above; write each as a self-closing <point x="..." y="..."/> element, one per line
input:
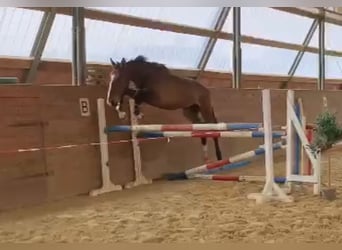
<point x="137" y="112"/>
<point x="118" y="108"/>
<point x="132" y="93"/>
<point x="138" y="96"/>
<point x="142" y="96"/>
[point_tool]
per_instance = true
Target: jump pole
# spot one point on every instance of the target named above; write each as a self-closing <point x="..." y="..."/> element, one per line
<point x="226" y="164"/>
<point x="271" y="190"/>
<point x="183" y="127"/>
<point x="211" y="134"/>
<point x="107" y="185"/>
<point x="294" y="127"/>
<point x="237" y="178"/>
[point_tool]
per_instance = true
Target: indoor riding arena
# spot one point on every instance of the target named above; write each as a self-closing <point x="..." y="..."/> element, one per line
<point x="81" y="161"/>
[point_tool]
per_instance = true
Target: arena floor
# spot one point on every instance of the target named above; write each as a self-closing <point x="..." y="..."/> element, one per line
<point x="185" y="211"/>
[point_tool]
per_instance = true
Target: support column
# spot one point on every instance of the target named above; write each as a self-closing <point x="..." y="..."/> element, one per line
<point x="236" y="47"/>
<point x="321" y="55"/>
<point x="78" y="47"/>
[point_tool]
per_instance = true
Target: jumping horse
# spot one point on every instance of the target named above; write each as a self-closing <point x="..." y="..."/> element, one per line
<point x="153" y="83"/>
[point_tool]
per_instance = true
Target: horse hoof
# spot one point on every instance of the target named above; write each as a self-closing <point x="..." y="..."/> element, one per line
<point x="122" y="115"/>
<point x="139" y="116"/>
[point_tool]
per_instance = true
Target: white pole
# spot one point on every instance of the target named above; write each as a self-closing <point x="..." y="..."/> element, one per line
<point x="271" y="190"/>
<point x="317" y="175"/>
<point x="290" y="141"/>
<point x="266" y="107"/>
<point x="140" y="179"/>
<point x="107" y="185"/>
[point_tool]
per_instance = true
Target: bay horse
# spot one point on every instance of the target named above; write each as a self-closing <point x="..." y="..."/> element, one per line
<point x="154" y="84"/>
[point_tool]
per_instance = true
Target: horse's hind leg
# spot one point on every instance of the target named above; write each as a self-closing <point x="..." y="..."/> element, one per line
<point x="193" y="115"/>
<point x="208" y="115"/>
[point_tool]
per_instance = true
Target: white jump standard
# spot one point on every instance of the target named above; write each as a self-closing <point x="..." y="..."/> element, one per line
<point x="293" y="126"/>
<point x="271" y="190"/>
<point x="107" y="185"/>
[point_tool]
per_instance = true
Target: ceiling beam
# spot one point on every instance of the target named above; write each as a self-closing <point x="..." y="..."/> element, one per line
<point x="315" y="13"/>
<point x="184" y="29"/>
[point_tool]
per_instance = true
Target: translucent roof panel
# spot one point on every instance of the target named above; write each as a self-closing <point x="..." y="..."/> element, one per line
<point x="266" y="60"/>
<point x="105" y="40"/>
<point x="228" y="25"/>
<point x="18" y="30"/>
<point x="272" y="24"/>
<point x="314" y="40"/>
<point x="309" y="64"/>
<point x="333" y="67"/>
<point x="203" y="17"/>
<point x="308" y="67"/>
<point x="255" y="59"/>
<point x="333" y="35"/>
<point x="59" y="44"/>
<point x="221" y="56"/>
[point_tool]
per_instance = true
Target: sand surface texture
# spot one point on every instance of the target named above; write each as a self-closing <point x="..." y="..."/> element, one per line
<point x="184" y="211"/>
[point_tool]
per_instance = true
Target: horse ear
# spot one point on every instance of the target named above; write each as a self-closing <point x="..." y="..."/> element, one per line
<point x="123" y="61"/>
<point x="112" y="62"/>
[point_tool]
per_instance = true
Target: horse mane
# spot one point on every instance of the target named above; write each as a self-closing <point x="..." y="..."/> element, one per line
<point x="142" y="59"/>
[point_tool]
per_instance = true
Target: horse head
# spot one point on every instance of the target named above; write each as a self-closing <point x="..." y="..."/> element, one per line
<point x="118" y="82"/>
